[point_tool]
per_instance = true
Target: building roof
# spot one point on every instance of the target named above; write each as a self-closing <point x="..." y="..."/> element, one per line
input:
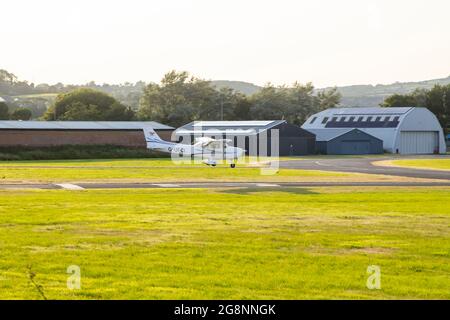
<point x="234" y="127"/>
<point x="375" y="117"/>
<point x="330" y="134"/>
<point x="81" y="125"/>
<point x="368" y="111"/>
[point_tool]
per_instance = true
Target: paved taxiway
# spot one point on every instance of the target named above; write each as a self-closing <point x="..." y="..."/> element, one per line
<point x="364" y="165"/>
<point x="342" y="164"/>
<point x="209" y="185"/>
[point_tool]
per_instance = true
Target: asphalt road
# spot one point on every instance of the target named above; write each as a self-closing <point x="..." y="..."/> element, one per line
<point x="341" y="164"/>
<point x="209" y="185"/>
<point x="364" y="165"/>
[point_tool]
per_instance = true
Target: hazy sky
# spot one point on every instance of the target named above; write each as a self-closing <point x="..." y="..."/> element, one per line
<point x="327" y="42"/>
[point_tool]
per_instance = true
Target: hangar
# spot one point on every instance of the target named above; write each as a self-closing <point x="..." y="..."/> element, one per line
<point x="251" y="135"/>
<point x="346" y="141"/>
<point x="403" y="130"/>
<point x="57" y="133"/>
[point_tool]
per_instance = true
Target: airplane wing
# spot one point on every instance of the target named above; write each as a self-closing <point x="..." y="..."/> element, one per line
<point x="209" y="143"/>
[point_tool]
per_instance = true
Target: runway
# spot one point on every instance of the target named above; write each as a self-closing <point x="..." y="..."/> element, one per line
<point x="341" y="164"/>
<point x="219" y="185"/>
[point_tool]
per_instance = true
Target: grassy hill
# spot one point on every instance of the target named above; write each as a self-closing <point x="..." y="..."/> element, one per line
<point x="355" y="95"/>
<point x="372" y="96"/>
<point x="241" y="86"/>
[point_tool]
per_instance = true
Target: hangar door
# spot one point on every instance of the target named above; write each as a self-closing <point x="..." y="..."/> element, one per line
<point x="419" y="142"/>
<point x="355" y="147"/>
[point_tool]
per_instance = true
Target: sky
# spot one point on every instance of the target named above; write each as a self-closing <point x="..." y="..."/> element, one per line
<point x="326" y="42"/>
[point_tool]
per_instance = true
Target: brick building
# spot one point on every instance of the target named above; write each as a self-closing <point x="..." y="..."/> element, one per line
<point x="57" y="133"/>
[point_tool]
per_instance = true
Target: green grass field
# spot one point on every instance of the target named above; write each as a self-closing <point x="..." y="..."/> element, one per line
<point x="159" y="170"/>
<point x="439" y="164"/>
<point x="225" y="244"/>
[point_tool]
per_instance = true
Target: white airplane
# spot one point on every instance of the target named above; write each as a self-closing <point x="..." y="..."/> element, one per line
<point x="204" y="147"/>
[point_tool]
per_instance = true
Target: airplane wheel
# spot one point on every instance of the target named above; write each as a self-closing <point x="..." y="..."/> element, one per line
<point x="213" y="165"/>
<point x="233" y="165"/>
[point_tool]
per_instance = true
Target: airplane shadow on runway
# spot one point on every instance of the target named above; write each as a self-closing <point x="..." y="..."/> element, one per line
<point x="250" y="190"/>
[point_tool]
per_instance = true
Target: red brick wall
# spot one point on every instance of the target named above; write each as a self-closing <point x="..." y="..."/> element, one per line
<point x="44" y="138"/>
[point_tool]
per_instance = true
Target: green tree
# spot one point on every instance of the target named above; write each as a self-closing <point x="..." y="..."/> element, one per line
<point x="294" y="104"/>
<point x="437" y="100"/>
<point x="329" y="98"/>
<point x="87" y="104"/>
<point x="21" y="114"/>
<point x="181" y="98"/>
<point x="399" y="100"/>
<point x="4" y="111"/>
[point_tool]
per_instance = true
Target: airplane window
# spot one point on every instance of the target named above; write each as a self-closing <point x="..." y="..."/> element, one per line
<point x="325" y="120"/>
<point x="312" y="120"/>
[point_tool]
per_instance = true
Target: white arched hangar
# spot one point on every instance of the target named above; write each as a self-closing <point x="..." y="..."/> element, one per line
<point x="402" y="130"/>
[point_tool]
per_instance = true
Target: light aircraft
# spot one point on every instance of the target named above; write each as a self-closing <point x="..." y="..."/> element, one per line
<point x="209" y="150"/>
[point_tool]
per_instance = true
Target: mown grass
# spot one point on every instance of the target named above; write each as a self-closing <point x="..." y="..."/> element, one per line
<point x="440" y="164"/>
<point x="162" y="170"/>
<point x="149" y="170"/>
<point x="226" y="244"/>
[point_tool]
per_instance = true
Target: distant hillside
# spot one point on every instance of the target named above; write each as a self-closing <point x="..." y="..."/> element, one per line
<point x="241" y="86"/>
<point x="372" y="96"/>
<point x="352" y="96"/>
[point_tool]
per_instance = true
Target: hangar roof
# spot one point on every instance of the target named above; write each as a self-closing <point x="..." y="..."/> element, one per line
<point x="236" y="127"/>
<point x="368" y="111"/>
<point x="81" y="125"/>
<point x="357" y="117"/>
<point x="330" y="134"/>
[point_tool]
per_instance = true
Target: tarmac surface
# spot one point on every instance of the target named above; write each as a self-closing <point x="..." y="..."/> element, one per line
<point x="210" y="185"/>
<point x="364" y="165"/>
<point x="341" y="164"/>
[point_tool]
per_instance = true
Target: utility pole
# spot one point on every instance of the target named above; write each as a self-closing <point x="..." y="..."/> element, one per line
<point x="446" y="112"/>
<point x="221" y="107"/>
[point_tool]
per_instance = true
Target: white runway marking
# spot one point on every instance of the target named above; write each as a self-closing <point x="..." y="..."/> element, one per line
<point x="322" y="164"/>
<point x="167" y="185"/>
<point x="267" y="185"/>
<point x="69" y="186"/>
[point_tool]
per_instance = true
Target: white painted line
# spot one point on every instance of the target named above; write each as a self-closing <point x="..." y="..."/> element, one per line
<point x="322" y="164"/>
<point x="267" y="185"/>
<point x="167" y="185"/>
<point x="69" y="186"/>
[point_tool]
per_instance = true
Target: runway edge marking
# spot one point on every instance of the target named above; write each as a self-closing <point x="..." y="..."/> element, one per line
<point x="69" y="186"/>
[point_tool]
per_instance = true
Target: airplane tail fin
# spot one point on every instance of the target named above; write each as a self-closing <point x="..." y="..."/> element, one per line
<point x="151" y="135"/>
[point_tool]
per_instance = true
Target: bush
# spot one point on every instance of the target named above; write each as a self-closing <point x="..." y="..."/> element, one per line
<point x="76" y="152"/>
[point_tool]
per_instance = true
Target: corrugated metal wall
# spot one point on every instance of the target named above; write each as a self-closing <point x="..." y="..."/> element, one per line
<point x="419" y="142"/>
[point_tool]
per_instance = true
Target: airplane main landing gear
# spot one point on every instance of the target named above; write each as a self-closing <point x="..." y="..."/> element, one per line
<point x="233" y="165"/>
